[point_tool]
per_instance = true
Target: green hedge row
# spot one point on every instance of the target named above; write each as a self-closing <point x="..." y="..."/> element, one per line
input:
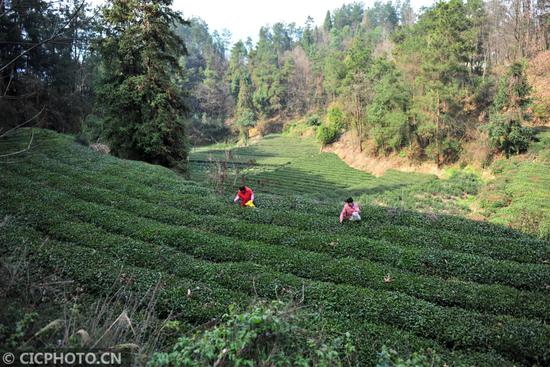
<point x="453" y="235"/>
<point x="428" y="262"/>
<point x="93" y="160"/>
<point x="204" y="301"/>
<point x="418" y="220"/>
<point x="100" y="273"/>
<point x="519" y="339"/>
<point x="495" y="299"/>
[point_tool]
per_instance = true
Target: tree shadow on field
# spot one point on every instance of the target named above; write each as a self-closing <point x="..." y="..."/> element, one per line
<point x="541" y="129"/>
<point x="241" y="154"/>
<point x="287" y="180"/>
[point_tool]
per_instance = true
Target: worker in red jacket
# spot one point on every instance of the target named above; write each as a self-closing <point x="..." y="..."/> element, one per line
<point x="246" y="195"/>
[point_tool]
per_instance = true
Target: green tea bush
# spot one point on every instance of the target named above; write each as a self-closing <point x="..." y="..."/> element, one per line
<point x="271" y="334"/>
<point x="472" y="292"/>
<point x="485" y="269"/>
<point x="322" y="295"/>
<point x="391" y="358"/>
<point x="262" y="286"/>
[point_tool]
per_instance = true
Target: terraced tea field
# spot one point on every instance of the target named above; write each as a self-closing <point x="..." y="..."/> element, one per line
<point x="286" y="165"/>
<point x="476" y="293"/>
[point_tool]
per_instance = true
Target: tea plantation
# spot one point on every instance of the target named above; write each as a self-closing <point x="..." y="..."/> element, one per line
<point x="476" y="293"/>
<point x="286" y="165"/>
<point x="291" y="166"/>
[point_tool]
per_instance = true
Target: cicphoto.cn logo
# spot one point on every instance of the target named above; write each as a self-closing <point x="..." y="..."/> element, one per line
<point x="64" y="358"/>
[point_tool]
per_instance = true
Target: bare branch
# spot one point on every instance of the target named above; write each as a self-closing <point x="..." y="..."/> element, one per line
<point x="22" y="150"/>
<point x="8" y="86"/>
<point x="56" y="34"/>
<point x="23" y="123"/>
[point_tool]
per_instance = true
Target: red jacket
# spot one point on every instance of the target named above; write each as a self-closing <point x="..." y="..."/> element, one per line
<point x="245" y="196"/>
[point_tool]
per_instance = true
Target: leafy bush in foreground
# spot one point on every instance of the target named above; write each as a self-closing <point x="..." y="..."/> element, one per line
<point x="390" y="358"/>
<point x="268" y="334"/>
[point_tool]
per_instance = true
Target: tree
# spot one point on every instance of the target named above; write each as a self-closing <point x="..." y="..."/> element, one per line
<point x="205" y="68"/>
<point x="138" y="97"/>
<point x="301" y="82"/>
<point x="245" y="116"/>
<point x="406" y="13"/>
<point x="349" y="15"/>
<point x="388" y="113"/>
<point x="327" y="24"/>
<point x="357" y="87"/>
<point x="237" y="67"/>
<point x="448" y="47"/>
<point x="308" y="39"/>
<point x="510" y="110"/>
<point x="382" y="15"/>
<point x="44" y="64"/>
<point x="269" y="77"/>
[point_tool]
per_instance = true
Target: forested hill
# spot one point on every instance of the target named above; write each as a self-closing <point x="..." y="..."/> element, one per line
<point x="459" y="81"/>
<point x="448" y="83"/>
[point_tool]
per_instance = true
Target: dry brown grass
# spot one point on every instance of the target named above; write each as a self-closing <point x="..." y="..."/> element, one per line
<point x="65" y="318"/>
<point x="538" y="75"/>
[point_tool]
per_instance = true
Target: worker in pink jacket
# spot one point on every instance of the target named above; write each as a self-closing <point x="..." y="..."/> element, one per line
<point x="350" y="211"/>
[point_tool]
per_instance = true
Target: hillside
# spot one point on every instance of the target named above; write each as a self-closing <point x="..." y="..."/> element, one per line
<point x="519" y="196"/>
<point x="291" y="165"/>
<point x="294" y="166"/>
<point x="475" y="292"/>
<point x="514" y="192"/>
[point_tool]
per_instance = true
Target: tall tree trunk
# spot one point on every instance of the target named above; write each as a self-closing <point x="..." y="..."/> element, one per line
<point x="437" y="133"/>
<point x="357" y="119"/>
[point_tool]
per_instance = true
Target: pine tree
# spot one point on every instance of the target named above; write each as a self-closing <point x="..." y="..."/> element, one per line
<point x="327" y="24"/>
<point x="357" y="85"/>
<point x="138" y="97"/>
<point x="237" y="67"/>
<point x="245" y="116"/>
<point x="510" y="110"/>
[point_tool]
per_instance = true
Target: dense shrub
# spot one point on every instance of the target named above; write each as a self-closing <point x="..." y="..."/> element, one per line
<point x="335" y="116"/>
<point x="271" y="334"/>
<point x="391" y="358"/>
<point x="506" y="134"/>
<point x="510" y="110"/>
<point x="450" y="151"/>
<point x="314" y="120"/>
<point x="391" y="135"/>
<point x="327" y="134"/>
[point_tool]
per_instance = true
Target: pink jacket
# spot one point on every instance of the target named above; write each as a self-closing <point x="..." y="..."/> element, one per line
<point x="348" y="210"/>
